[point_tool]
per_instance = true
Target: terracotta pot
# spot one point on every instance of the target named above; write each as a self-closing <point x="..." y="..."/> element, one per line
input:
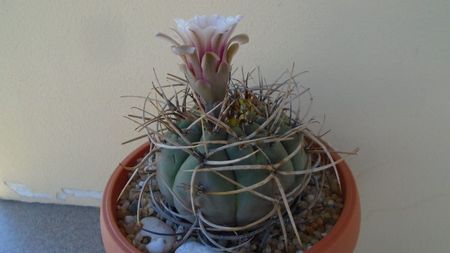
<point x="341" y="239"/>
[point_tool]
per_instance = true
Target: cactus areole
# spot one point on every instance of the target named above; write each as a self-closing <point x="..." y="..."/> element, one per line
<point x="223" y="159"/>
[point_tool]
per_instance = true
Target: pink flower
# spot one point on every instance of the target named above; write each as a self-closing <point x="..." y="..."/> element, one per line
<point x="207" y="50"/>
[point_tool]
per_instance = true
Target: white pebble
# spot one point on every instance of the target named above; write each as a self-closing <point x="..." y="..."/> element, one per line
<point x="156" y="246"/>
<point x="149" y="208"/>
<point x="130" y="219"/>
<point x="193" y="246"/>
<point x="156" y="225"/>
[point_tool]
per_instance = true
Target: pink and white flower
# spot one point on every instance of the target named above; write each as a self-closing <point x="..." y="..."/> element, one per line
<point x="207" y="48"/>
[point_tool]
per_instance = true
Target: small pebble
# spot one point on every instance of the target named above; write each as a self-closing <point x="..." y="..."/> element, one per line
<point x="193" y="246"/>
<point x="268" y="250"/>
<point x="122" y="212"/>
<point x="130" y="219"/>
<point x="156" y="225"/>
<point x="133" y="195"/>
<point x="130" y="237"/>
<point x="125" y="204"/>
<point x="319" y="221"/>
<point x="280" y="245"/>
<point x="140" y="184"/>
<point x="310" y="198"/>
<point x="156" y="246"/>
<point x="145" y="240"/>
<point x="317" y="234"/>
<point x="291" y="248"/>
<point x="132" y="208"/>
<point x="335" y="187"/>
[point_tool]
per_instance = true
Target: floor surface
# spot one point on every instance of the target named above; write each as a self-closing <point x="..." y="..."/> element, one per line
<point x="45" y="228"/>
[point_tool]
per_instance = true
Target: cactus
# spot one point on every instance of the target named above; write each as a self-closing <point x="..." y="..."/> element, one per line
<point x="175" y="170"/>
<point x="227" y="157"/>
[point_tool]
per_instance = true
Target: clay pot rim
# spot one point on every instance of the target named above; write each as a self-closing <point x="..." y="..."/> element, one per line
<point x="108" y="206"/>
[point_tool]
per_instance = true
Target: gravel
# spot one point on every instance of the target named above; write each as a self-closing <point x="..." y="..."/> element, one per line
<point x="315" y="214"/>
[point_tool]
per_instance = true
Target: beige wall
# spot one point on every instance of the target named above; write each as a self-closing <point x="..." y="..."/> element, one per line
<point x="379" y="71"/>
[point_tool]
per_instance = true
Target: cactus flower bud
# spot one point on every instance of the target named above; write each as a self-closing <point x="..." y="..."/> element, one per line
<point x="207" y="49"/>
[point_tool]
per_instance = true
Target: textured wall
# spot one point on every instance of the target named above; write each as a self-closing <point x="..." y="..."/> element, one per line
<point x="379" y="71"/>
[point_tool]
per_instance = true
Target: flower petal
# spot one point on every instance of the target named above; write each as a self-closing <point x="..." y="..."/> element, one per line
<point x="232" y="50"/>
<point x="203" y="89"/>
<point x="184" y="69"/>
<point x="215" y="42"/>
<point x="209" y="65"/>
<point x="221" y="81"/>
<point x="240" y="38"/>
<point x="182" y="24"/>
<point x="196" y="39"/>
<point x="168" y="38"/>
<point x="182" y="36"/>
<point x="183" y="50"/>
<point x="223" y="74"/>
<point x="194" y="63"/>
<point x="190" y="57"/>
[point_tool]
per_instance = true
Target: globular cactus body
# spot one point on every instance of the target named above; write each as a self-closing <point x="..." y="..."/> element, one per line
<point x="175" y="169"/>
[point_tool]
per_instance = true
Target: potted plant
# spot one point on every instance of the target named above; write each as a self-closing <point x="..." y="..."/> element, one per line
<point x="230" y="164"/>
